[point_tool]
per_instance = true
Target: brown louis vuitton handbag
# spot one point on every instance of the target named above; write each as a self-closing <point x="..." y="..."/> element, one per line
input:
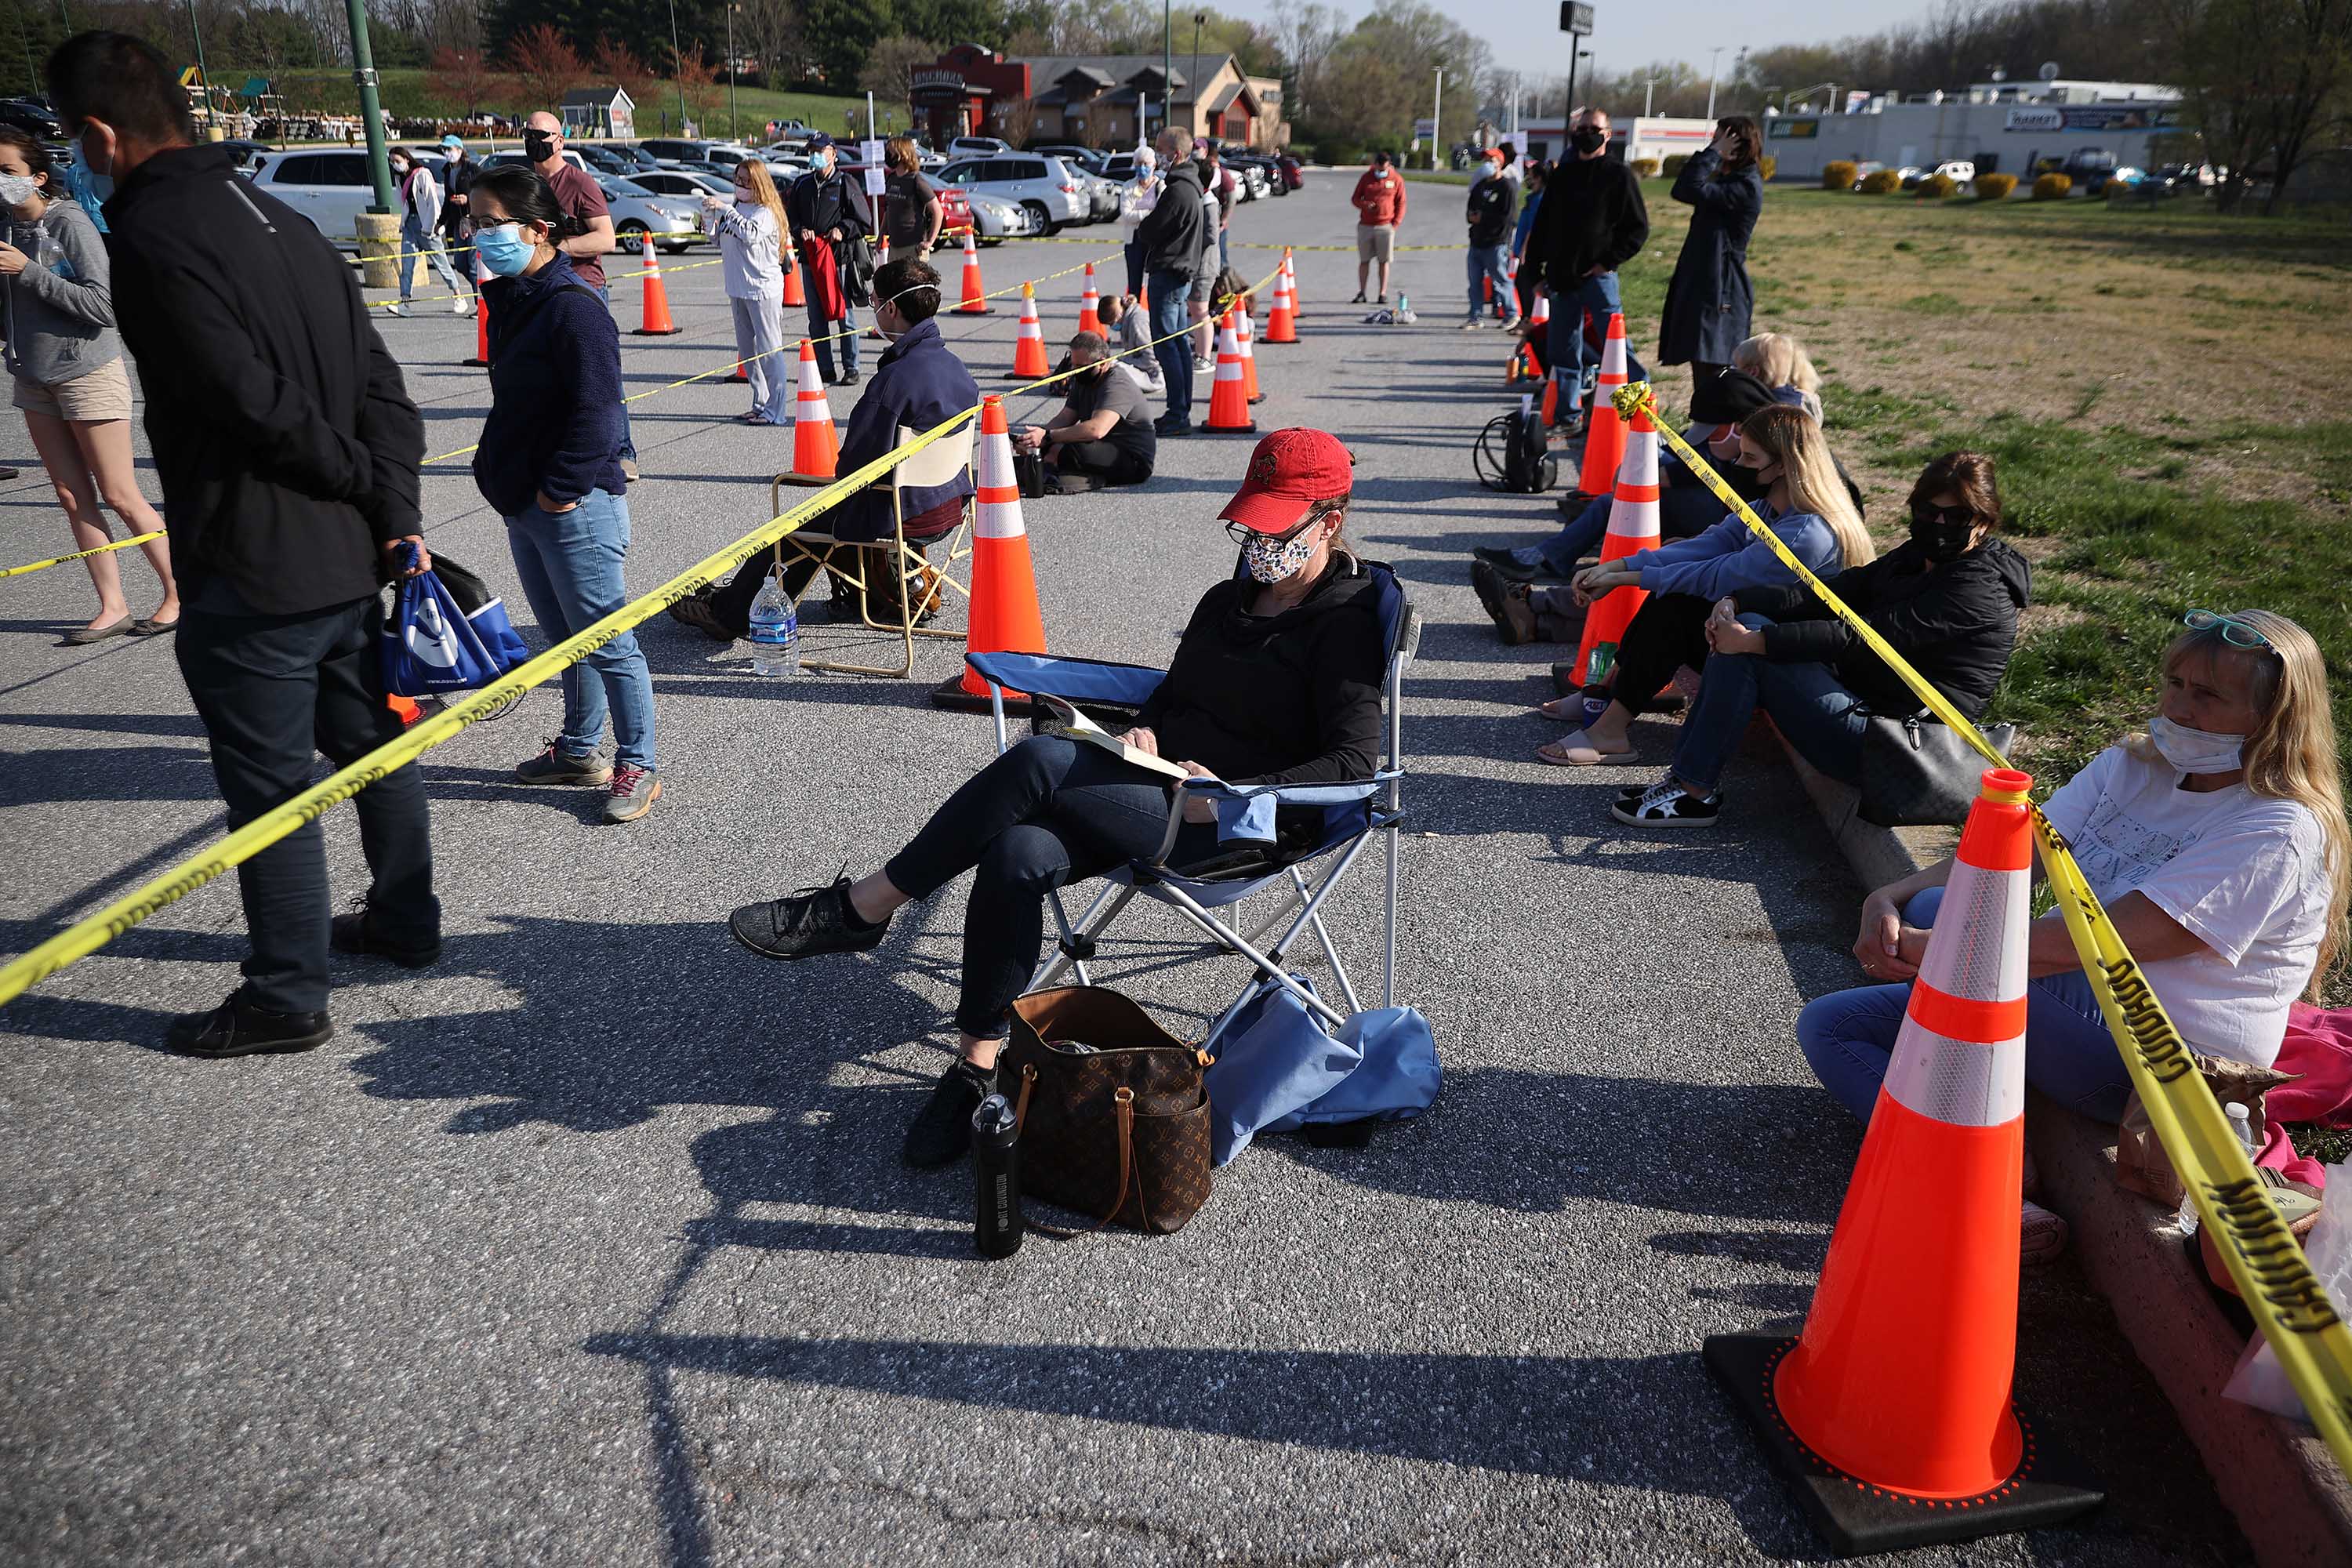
<point x="1112" y="1110"/>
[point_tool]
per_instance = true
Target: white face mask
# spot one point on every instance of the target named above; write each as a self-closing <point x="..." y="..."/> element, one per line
<point x="893" y="302"/>
<point x="2196" y="750"/>
<point x="16" y="189"/>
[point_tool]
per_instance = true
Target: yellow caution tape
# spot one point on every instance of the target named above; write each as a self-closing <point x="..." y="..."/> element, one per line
<point x="2272" y="1277"/>
<point x="82" y="555"/>
<point x="88" y="935"/>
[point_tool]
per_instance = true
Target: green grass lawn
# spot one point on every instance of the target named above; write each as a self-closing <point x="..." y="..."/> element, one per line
<point x="410" y="95"/>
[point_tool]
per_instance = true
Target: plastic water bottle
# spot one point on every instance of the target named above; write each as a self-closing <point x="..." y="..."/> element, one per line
<point x="775" y="630"/>
<point x="2241" y="1123"/>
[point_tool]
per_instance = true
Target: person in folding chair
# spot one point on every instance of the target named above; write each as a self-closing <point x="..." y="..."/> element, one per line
<point x="920" y="384"/>
<point x="1277" y="681"/>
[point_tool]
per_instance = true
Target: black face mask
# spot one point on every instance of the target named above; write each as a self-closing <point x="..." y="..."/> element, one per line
<point x="1588" y="139"/>
<point x="1941" y="540"/>
<point x="538" y="145"/>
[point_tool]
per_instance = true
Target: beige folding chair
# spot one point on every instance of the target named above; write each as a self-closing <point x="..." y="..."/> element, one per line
<point x="858" y="562"/>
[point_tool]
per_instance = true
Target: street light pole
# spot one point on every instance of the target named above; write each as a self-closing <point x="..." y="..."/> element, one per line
<point x="1437" y="119"/>
<point x="203" y="76"/>
<point x="677" y="63"/>
<point x="1166" y="63"/>
<point x="1648" y="94"/>
<point x="371" y="107"/>
<point x="1714" y="56"/>
<point x="733" y="133"/>
<point x="1198" y="17"/>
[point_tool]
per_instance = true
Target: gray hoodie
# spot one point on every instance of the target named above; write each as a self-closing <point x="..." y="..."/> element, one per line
<point x="59" y="312"/>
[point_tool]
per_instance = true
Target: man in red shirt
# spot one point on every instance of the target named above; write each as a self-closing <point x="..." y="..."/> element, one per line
<point x="581" y="198"/>
<point x="1379" y="198"/>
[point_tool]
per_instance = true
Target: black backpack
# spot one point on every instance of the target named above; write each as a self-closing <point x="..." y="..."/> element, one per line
<point x="1513" y="454"/>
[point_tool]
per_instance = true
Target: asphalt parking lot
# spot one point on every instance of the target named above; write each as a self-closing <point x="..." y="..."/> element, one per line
<point x="592" y="1243"/>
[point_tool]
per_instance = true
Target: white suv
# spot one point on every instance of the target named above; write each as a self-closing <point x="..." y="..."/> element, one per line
<point x="330" y="186"/>
<point x="1044" y="186"/>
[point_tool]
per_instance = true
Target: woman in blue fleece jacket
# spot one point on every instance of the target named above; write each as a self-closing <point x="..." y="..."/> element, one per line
<point x="550" y="462"/>
<point x="1807" y="507"/>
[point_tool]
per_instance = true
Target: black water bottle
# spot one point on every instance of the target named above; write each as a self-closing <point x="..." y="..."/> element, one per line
<point x="996" y="1155"/>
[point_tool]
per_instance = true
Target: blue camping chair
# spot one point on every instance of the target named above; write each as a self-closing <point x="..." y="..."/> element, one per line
<point x="1350" y="815"/>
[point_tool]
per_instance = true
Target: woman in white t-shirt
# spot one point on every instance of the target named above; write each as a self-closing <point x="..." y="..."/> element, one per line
<point x="2218" y="843"/>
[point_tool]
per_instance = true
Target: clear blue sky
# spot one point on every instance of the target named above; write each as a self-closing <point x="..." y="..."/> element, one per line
<point x="1626" y="34"/>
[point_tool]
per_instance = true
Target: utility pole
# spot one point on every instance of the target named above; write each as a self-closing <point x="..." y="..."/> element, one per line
<point x="1167" y="62"/>
<point x="677" y="64"/>
<point x="1714" y="56"/>
<point x="1648" y="94"/>
<point x="1198" y="17"/>
<point x="1437" y="119"/>
<point x="203" y="76"/>
<point x="733" y="134"/>
<point x="371" y="107"/>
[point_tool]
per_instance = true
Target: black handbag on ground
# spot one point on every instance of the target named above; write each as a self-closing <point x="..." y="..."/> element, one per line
<point x="1918" y="771"/>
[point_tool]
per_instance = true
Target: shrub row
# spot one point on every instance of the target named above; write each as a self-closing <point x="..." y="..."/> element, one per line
<point x="2051" y="188"/>
<point x="1995" y="187"/>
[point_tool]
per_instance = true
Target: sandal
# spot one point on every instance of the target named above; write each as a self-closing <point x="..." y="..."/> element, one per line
<point x="1573" y="750"/>
<point x="754" y="417"/>
<point x="1568" y="708"/>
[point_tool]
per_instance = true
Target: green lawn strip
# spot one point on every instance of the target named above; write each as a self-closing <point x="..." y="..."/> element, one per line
<point x="412" y="94"/>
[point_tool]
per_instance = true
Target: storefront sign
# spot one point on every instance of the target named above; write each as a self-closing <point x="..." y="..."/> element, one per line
<point x="1786" y="129"/>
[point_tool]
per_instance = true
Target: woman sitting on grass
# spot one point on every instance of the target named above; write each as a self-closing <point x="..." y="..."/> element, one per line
<point x="2218" y="843"/>
<point x="1781" y="363"/>
<point x="1805" y="505"/>
<point x="1946" y="599"/>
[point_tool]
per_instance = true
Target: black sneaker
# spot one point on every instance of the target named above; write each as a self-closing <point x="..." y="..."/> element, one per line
<point x="357" y="933"/>
<point x="695" y="611"/>
<point x="847" y="378"/>
<point x="1505" y="564"/>
<point x="238" y="1028"/>
<point x="942" y="1132"/>
<point x="811" y="921"/>
<point x="1663" y="805"/>
<point x="1506" y="602"/>
<point x="1356" y="300"/>
<point x="1173" y="425"/>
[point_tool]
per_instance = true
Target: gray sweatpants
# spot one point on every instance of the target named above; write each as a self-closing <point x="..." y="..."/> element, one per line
<point x="759" y="342"/>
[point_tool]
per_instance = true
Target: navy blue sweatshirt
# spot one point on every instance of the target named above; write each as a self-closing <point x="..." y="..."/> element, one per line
<point x="556" y="422"/>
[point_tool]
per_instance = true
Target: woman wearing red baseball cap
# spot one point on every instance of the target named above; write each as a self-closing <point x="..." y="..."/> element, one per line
<point x="1277" y="681"/>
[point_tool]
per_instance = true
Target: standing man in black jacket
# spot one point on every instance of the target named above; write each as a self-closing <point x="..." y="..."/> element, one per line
<point x="287" y="450"/>
<point x="827" y="205"/>
<point x="1592" y="222"/>
<point x="1490" y="215"/>
<point x="1172" y="237"/>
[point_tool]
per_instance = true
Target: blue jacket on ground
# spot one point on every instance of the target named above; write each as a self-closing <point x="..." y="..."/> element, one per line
<point x="557" y="423"/>
<point x="918" y="384"/>
<point x="1728" y="559"/>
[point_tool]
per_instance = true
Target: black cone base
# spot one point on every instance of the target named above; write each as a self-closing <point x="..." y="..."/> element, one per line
<point x="950" y="694"/>
<point x="1248" y="430"/>
<point x="655" y="332"/>
<point x="1853" y="1517"/>
<point x="966" y="310"/>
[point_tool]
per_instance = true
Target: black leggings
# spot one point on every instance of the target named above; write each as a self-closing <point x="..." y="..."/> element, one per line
<point x="1103" y="460"/>
<point x="1049" y="812"/>
<point x="1668" y="632"/>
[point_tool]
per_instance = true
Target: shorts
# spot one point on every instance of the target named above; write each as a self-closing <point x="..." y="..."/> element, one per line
<point x="103" y="394"/>
<point x="1204" y="287"/>
<point x="1376" y="242"/>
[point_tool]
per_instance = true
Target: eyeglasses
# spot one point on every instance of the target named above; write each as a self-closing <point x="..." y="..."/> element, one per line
<point x="1929" y="516"/>
<point x="2237" y="633"/>
<point x="1245" y="536"/>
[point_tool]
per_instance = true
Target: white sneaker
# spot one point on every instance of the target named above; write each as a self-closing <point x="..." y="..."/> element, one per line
<point x="461" y="306"/>
<point x="399" y="308"/>
<point x="2042" y="1235"/>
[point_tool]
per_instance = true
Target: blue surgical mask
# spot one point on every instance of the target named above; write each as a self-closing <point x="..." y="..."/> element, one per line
<point x="503" y="250"/>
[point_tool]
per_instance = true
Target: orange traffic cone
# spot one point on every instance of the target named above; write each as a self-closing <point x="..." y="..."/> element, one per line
<point x="481" y="359"/>
<point x="1551" y="402"/>
<point x="1246" y="341"/>
<point x="658" y="322"/>
<point x="1282" y="320"/>
<point x="1089" y="304"/>
<point x="1297" y="301"/>
<point x="1003" y="618"/>
<point x="1891" y="1413"/>
<point x="1229" y="412"/>
<point x="1604" y="433"/>
<point x="816" y="449"/>
<point x="1029" y="340"/>
<point x="1633" y="525"/>
<point x="793" y="293"/>
<point x="975" y="292"/>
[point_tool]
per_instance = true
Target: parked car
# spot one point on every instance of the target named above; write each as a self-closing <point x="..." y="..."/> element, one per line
<point x="1293" y="172"/>
<point x="330" y="186"/>
<point x="602" y="160"/>
<point x="994" y="220"/>
<point x="1120" y="166"/>
<point x="673" y="149"/>
<point x="638" y="212"/>
<point x="685" y="184"/>
<point x="975" y="146"/>
<point x="1959" y="171"/>
<point x="640" y="160"/>
<point x="1047" y="186"/>
<point x="242" y="153"/>
<point x="37" y="120"/>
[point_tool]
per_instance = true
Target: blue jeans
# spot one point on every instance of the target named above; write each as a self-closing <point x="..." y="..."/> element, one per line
<point x="821" y="331"/>
<point x="1848" y="1037"/>
<point x="1488" y="261"/>
<point x="1819" y="717"/>
<point x="1171" y="293"/>
<point x="571" y="565"/>
<point x="422" y="243"/>
<point x="1574" y="365"/>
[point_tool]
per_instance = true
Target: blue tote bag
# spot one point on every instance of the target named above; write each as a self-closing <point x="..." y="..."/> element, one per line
<point x="431" y="645"/>
<point x="1277" y="1069"/>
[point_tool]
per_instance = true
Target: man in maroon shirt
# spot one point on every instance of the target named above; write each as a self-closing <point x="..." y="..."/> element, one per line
<point x="579" y="195"/>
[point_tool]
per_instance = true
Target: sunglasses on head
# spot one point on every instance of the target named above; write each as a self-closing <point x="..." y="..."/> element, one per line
<point x="2235" y="631"/>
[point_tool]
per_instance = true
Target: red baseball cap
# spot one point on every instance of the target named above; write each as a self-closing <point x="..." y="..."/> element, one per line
<point x="1290" y="470"/>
